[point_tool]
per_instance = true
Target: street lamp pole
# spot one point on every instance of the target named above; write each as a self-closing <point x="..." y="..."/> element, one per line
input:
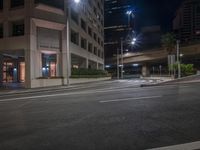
<point x="178" y="61"/>
<point x="67" y="12"/>
<point x="122" y="61"/>
<point x="117" y="63"/>
<point x="68" y="46"/>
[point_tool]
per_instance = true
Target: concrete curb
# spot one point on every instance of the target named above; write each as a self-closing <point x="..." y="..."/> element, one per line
<point x="177" y="81"/>
<point x="45" y="89"/>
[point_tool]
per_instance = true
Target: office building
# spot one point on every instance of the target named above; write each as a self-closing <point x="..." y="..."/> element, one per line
<point x="118" y="23"/>
<point x="41" y="40"/>
<point x="187" y="21"/>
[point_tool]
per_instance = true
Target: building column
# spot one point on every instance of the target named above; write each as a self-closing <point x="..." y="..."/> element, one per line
<point x="87" y="63"/>
<point x="145" y="71"/>
<point x="1" y="70"/>
<point x="97" y="65"/>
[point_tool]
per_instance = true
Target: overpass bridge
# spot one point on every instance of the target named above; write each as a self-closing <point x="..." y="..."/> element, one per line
<point x="158" y="56"/>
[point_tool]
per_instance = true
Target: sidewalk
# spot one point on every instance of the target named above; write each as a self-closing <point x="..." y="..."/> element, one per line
<point x="11" y="90"/>
<point x="189" y="79"/>
<point x="20" y="89"/>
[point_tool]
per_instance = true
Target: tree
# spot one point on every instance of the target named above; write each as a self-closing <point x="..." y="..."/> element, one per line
<point x="168" y="42"/>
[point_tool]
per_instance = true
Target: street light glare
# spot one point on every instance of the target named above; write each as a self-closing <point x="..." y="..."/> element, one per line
<point x="133" y="41"/>
<point x="77" y="1"/>
<point x="129" y="12"/>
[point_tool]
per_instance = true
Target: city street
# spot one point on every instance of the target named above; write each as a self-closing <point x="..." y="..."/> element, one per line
<point x="108" y="115"/>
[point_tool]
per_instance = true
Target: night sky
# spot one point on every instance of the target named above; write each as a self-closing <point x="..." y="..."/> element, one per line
<point x="156" y="12"/>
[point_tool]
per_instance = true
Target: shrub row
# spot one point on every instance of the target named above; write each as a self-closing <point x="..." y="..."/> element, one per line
<point x="88" y="73"/>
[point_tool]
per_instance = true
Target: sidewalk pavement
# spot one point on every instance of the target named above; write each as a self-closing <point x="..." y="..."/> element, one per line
<point x="10" y="90"/>
<point x="189" y="79"/>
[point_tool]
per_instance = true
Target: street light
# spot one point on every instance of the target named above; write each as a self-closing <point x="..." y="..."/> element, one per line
<point x="133" y="41"/>
<point x="76" y="1"/>
<point x="178" y="60"/>
<point x="129" y="13"/>
<point x="68" y="4"/>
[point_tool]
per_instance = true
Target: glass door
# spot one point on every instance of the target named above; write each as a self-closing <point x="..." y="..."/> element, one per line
<point x="8" y="70"/>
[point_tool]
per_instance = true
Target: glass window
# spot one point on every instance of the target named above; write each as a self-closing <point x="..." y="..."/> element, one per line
<point x="74" y="37"/>
<point x="83" y="25"/>
<point x="54" y="3"/>
<point x="90" y="47"/>
<point x="16" y="3"/>
<point x="1" y="4"/>
<point x="1" y="30"/>
<point x="83" y="43"/>
<point x="95" y="36"/>
<point x="49" y="65"/>
<point x="74" y="16"/>
<point x="90" y="31"/>
<point x="95" y="50"/>
<point x="99" y="53"/>
<point x="18" y="28"/>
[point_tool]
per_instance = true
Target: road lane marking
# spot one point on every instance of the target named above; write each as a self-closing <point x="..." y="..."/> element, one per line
<point x="106" y="90"/>
<point x="187" y="146"/>
<point x="65" y="94"/>
<point x="129" y="99"/>
<point x="28" y="92"/>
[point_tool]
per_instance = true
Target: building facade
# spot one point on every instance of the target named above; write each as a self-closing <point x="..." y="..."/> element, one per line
<point x="41" y="40"/>
<point x="187" y="21"/>
<point x="117" y="23"/>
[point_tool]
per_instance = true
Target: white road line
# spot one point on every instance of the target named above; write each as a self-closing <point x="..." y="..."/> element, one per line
<point x="187" y="146"/>
<point x="71" y="87"/>
<point x="129" y="99"/>
<point x="66" y="94"/>
<point x="106" y="90"/>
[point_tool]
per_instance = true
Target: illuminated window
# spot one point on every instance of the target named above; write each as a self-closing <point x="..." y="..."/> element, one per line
<point x="49" y="65"/>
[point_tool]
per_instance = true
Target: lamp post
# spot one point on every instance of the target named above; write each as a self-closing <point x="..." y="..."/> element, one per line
<point x="118" y="64"/>
<point x="133" y="41"/>
<point x="122" y="61"/>
<point x="67" y="12"/>
<point x="178" y="61"/>
<point x="129" y="17"/>
<point x="122" y="54"/>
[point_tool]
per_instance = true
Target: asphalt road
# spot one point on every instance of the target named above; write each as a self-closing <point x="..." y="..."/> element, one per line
<point x="111" y="115"/>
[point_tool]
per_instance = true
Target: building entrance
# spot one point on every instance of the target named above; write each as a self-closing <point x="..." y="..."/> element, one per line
<point x="8" y="72"/>
<point x="13" y="72"/>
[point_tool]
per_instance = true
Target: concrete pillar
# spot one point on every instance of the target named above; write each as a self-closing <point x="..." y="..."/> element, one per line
<point x="6" y="6"/>
<point x="97" y="65"/>
<point x="27" y="69"/>
<point x="145" y="71"/>
<point x="6" y="24"/>
<point x="87" y="63"/>
<point x="1" y="69"/>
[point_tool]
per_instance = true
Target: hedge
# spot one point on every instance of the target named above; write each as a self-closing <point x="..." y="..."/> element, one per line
<point x="88" y="73"/>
